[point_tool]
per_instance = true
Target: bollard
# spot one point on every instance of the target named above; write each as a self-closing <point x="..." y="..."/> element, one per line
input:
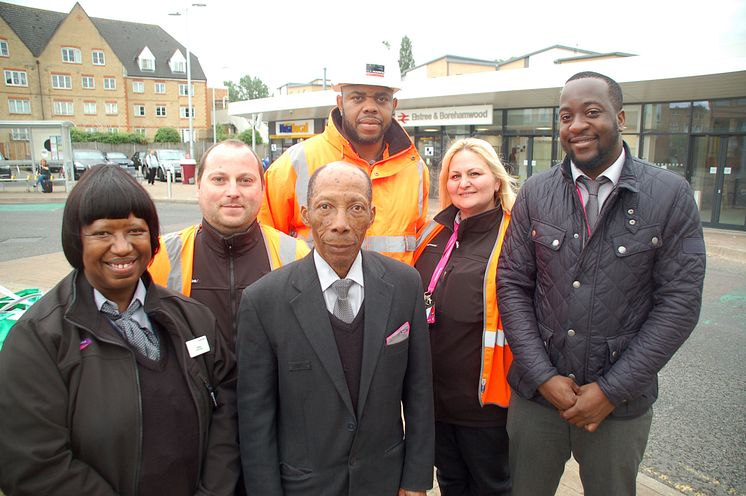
<point x="168" y="180"/>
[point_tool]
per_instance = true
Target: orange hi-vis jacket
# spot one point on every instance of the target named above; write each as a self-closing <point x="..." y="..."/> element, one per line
<point x="401" y="183"/>
<point x="173" y="265"/>
<point x="496" y="354"/>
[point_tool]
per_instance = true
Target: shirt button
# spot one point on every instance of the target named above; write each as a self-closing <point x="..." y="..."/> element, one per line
<point x="571" y="332"/>
<point x="576" y="235"/>
<point x="631" y="211"/>
<point x="350" y="426"/>
<point x="555" y="243"/>
<point x="576" y="284"/>
<point x="632" y="222"/>
<point x="571" y="376"/>
<point x="614" y="354"/>
<point x="654" y="240"/>
<point x="622" y="250"/>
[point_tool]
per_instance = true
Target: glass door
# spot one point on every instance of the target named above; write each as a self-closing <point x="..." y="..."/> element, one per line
<point x="529" y="155"/>
<point x="719" y="180"/>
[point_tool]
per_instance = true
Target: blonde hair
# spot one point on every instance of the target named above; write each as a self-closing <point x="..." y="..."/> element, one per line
<point x="505" y="197"/>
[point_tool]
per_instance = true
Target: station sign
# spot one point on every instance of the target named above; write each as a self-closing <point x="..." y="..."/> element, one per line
<point x="445" y="116"/>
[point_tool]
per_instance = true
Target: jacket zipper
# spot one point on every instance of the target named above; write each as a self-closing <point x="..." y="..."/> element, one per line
<point x="232" y="288"/>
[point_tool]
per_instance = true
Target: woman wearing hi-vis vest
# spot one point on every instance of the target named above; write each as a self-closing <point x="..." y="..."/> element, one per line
<point x="457" y="257"/>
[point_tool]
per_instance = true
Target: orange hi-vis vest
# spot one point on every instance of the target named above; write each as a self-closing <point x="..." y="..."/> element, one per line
<point x="496" y="354"/>
<point x="173" y="265"/>
<point x="401" y="184"/>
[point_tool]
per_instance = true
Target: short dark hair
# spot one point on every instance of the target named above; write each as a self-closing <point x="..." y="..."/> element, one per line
<point x="615" y="91"/>
<point x="105" y="192"/>
<point x="236" y="144"/>
<point x="312" y="180"/>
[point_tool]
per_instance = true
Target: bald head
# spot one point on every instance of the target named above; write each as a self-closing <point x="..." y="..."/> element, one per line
<point x="333" y="168"/>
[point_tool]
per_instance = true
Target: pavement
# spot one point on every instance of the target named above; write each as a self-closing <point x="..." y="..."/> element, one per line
<point x="27" y="273"/>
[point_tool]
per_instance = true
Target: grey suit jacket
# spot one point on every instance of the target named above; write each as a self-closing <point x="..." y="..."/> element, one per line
<point x="299" y="434"/>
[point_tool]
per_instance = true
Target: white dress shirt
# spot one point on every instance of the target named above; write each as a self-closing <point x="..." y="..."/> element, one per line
<point x="614" y="172"/>
<point x="327" y="277"/>
<point x="139" y="316"/>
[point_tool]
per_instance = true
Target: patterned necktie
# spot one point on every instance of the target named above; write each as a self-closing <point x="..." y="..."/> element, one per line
<point x="144" y="340"/>
<point x="591" y="206"/>
<point x="342" y="307"/>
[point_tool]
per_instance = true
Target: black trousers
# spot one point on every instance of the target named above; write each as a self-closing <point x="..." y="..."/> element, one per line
<point x="472" y="461"/>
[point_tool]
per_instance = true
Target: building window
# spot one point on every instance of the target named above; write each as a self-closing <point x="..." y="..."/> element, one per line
<point x="16" y="106"/>
<point x="184" y="112"/>
<point x="15" y="78"/>
<point x="88" y="82"/>
<point x="160" y="110"/>
<point x="112" y="130"/>
<point x="19" y="134"/>
<point x="71" y="55"/>
<point x="160" y="88"/>
<point x="139" y="110"/>
<point x="112" y="108"/>
<point x="147" y="64"/>
<point x="4" y="48"/>
<point x="89" y="108"/>
<point x="97" y="57"/>
<point x="62" y="81"/>
<point x="110" y="83"/>
<point x="91" y="130"/>
<point x="140" y="131"/>
<point x="183" y="90"/>
<point x="138" y="87"/>
<point x="178" y="66"/>
<point x="64" y="108"/>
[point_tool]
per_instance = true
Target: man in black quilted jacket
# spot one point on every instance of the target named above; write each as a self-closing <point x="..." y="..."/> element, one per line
<point x="599" y="283"/>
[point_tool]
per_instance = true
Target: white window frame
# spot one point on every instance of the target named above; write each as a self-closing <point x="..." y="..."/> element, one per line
<point x="159" y="86"/>
<point x="15" y="78"/>
<point x="184" y="112"/>
<point x="140" y="131"/>
<point x="19" y="134"/>
<point x="112" y="108"/>
<point x="91" y="130"/>
<point x="90" y="108"/>
<point x="179" y="67"/>
<point x="63" y="108"/>
<point x="4" y="48"/>
<point x="139" y="110"/>
<point x="108" y="86"/>
<point x="91" y="79"/>
<point x="146" y="64"/>
<point x="62" y="81"/>
<point x="15" y="103"/>
<point x="72" y="55"/>
<point x="112" y="130"/>
<point x="98" y="57"/>
<point x="183" y="89"/>
<point x="138" y="87"/>
<point x="160" y="111"/>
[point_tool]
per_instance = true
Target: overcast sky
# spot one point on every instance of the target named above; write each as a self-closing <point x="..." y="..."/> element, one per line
<point x="293" y="40"/>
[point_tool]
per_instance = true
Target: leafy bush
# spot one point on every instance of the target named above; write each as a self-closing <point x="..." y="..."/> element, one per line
<point x="246" y="137"/>
<point x="78" y="136"/>
<point x="167" y="135"/>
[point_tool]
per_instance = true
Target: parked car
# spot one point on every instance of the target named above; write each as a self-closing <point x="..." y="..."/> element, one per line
<point x="139" y="159"/>
<point x="169" y="160"/>
<point x="85" y="159"/>
<point x="119" y="158"/>
<point x="4" y="168"/>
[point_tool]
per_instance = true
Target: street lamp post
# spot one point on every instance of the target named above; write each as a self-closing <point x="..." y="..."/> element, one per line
<point x="189" y="77"/>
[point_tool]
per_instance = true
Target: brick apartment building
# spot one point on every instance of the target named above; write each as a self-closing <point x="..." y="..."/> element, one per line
<point x="103" y="75"/>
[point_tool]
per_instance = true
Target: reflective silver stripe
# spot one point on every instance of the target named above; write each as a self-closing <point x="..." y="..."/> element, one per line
<point x="287" y="249"/>
<point x="425" y="233"/>
<point x="297" y="155"/>
<point x="420" y="198"/>
<point x="173" y="248"/>
<point x="390" y="244"/>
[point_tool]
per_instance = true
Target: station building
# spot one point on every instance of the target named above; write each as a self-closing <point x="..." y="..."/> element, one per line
<point x="688" y="116"/>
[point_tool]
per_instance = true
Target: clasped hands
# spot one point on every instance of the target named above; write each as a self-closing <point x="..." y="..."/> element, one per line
<point x="583" y="406"/>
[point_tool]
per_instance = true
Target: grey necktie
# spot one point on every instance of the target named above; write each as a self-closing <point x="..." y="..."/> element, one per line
<point x="144" y="340"/>
<point x="342" y="307"/>
<point x="591" y="206"/>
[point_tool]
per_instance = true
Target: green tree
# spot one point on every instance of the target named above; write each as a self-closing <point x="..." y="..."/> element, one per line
<point x="406" y="60"/>
<point x="167" y="135"/>
<point x="245" y="136"/>
<point x="247" y="88"/>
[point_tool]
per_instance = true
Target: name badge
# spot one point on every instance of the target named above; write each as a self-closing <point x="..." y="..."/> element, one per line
<point x="198" y="346"/>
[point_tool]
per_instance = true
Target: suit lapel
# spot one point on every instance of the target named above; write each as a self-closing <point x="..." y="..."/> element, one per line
<point x="310" y="310"/>
<point x="378" y="296"/>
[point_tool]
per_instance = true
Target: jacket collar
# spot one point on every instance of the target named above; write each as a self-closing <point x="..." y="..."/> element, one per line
<point x="237" y="244"/>
<point x="477" y="224"/>
<point x="629" y="178"/>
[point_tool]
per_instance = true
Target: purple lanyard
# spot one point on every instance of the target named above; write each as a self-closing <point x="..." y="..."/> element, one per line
<point x="443" y="259"/>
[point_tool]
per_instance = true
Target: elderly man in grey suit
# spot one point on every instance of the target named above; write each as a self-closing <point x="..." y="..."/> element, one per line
<point x="329" y="350"/>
